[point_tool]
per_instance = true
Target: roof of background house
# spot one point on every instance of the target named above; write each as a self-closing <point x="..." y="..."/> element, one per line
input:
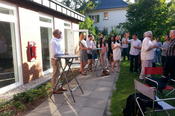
<point x="109" y="4"/>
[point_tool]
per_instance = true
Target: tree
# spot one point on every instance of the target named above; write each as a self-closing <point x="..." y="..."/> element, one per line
<point x="86" y="7"/>
<point x="74" y="4"/>
<point x="88" y="24"/>
<point x="83" y="6"/>
<point x="67" y="3"/>
<point x="171" y="6"/>
<point x="154" y="15"/>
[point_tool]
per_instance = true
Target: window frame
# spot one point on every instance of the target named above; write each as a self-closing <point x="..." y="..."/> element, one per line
<point x="106" y="15"/>
<point x="46" y="25"/>
<point x="17" y="57"/>
<point x="95" y="18"/>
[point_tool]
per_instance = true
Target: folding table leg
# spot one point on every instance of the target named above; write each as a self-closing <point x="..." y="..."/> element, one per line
<point x="69" y="85"/>
<point x="79" y="86"/>
<point x="69" y="69"/>
<point x="96" y="65"/>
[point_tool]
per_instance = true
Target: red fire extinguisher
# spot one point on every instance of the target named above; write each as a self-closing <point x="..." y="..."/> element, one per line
<point x="31" y="51"/>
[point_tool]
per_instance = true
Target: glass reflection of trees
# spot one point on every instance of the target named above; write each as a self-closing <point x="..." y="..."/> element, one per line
<point x="6" y="54"/>
<point x="46" y="34"/>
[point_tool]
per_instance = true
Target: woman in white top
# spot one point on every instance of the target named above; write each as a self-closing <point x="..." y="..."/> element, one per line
<point x="116" y="48"/>
<point x="83" y="54"/>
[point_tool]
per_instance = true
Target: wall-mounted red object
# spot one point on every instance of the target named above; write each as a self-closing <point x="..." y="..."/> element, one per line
<point x="31" y="51"/>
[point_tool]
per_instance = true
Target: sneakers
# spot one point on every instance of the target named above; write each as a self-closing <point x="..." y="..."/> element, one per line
<point x="141" y="77"/>
<point x="62" y="89"/>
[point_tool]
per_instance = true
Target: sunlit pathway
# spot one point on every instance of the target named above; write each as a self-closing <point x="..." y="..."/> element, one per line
<point x="97" y="91"/>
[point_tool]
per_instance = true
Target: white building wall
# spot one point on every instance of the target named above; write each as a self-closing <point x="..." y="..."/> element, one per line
<point x="76" y="38"/>
<point x="115" y="17"/>
<point x="70" y="39"/>
<point x="27" y="28"/>
<point x="30" y="31"/>
<point x="131" y="1"/>
<point x="59" y="24"/>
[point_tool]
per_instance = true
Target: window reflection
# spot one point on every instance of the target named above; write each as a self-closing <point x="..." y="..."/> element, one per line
<point x="46" y="34"/>
<point x="6" y="54"/>
<point x="6" y="11"/>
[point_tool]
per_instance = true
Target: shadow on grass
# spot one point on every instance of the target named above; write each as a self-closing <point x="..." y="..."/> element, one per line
<point x="125" y="87"/>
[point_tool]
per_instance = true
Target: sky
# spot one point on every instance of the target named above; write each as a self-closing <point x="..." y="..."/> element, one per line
<point x="123" y="0"/>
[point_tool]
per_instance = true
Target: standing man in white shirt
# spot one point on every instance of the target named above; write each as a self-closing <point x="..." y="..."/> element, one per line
<point x="55" y="50"/>
<point x="134" y="53"/>
<point x="147" y="52"/>
<point x="125" y="47"/>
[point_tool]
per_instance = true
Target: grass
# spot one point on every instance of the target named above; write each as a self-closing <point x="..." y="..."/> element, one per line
<point x="125" y="87"/>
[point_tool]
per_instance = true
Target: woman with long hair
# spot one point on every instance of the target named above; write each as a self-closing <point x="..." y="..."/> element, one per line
<point x="103" y="52"/>
<point x="116" y="47"/>
<point x="83" y="53"/>
<point x="110" y="54"/>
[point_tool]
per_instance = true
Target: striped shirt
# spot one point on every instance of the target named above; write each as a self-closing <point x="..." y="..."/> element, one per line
<point x="171" y="48"/>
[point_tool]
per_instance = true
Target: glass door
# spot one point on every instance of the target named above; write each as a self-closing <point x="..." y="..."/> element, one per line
<point x="46" y="34"/>
<point x="46" y="25"/>
<point x="10" y="59"/>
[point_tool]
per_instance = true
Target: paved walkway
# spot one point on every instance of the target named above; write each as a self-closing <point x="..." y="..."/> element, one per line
<point x="97" y="91"/>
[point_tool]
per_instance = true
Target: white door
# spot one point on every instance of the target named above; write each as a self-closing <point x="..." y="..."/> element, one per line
<point x="69" y="41"/>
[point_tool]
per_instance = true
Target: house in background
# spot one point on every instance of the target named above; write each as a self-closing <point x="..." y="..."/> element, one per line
<point x="131" y="1"/>
<point x="108" y="14"/>
<point x="26" y="24"/>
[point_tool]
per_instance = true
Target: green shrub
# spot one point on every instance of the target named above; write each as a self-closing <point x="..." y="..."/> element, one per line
<point x="18" y="105"/>
<point x="21" y="99"/>
<point x="33" y="94"/>
<point x="7" y="113"/>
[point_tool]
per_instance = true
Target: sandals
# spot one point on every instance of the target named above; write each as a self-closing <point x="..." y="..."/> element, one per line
<point x="57" y="92"/>
<point x="83" y="73"/>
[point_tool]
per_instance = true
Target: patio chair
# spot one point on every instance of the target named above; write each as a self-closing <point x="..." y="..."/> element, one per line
<point x="158" y="71"/>
<point x="150" y="92"/>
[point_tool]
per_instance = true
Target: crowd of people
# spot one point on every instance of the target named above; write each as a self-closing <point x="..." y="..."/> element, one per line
<point x="111" y="51"/>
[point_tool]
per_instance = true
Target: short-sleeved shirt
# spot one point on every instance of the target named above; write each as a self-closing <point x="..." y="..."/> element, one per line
<point x="89" y="45"/>
<point x="135" y="43"/>
<point x="165" y="47"/>
<point x="123" y="43"/>
<point x="171" y="48"/>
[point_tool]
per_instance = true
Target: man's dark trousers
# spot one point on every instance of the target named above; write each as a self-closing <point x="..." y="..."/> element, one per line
<point x="134" y="63"/>
<point x="169" y="69"/>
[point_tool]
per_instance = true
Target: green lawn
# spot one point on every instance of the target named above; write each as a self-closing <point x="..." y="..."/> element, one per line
<point x="125" y="87"/>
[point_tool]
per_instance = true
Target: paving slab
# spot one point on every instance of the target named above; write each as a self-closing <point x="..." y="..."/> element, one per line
<point x="91" y="112"/>
<point x="97" y="91"/>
